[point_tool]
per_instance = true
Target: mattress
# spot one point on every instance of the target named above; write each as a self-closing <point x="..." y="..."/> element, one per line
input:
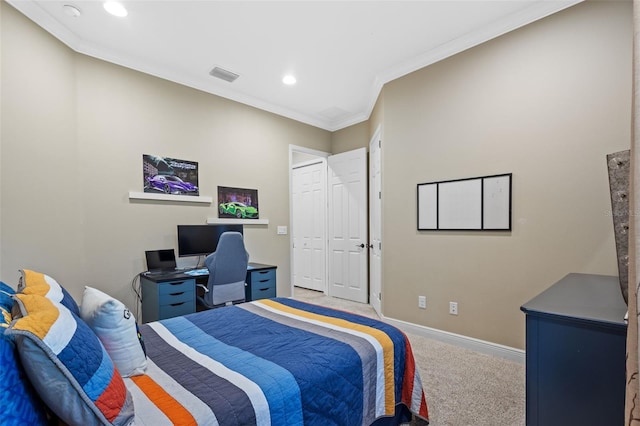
<point x="275" y="362"/>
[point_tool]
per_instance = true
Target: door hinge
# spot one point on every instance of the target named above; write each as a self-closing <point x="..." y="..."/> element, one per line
<point x="379" y="143"/>
<point x="379" y="195"/>
<point x="379" y="246"/>
<point x="380" y="296"/>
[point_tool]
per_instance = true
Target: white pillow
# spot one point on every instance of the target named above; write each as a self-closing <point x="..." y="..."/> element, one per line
<point x="116" y="328"/>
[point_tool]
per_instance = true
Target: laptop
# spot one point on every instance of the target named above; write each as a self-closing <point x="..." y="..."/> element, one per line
<point x="161" y="261"/>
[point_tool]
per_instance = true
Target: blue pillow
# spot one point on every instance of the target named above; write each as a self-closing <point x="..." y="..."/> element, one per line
<point x="19" y="402"/>
<point x="6" y="292"/>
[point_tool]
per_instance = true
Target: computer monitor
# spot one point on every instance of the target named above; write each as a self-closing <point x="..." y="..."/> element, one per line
<point x="201" y="240"/>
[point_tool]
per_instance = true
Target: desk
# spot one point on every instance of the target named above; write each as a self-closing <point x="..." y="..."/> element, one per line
<point x="576" y="340"/>
<point x="174" y="294"/>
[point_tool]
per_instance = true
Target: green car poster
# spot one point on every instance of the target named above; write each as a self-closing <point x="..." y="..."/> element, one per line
<point x="238" y="203"/>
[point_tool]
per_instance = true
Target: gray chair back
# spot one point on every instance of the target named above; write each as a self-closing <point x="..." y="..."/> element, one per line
<point x="227" y="271"/>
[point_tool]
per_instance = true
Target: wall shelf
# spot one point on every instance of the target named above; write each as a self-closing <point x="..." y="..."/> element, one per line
<point x="241" y="221"/>
<point x="166" y="197"/>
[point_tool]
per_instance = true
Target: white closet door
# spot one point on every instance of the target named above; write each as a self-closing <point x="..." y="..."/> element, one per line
<point x="348" y="242"/>
<point x="309" y="224"/>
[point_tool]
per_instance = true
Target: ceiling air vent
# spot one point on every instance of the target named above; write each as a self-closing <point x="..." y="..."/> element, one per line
<point x="224" y="74"/>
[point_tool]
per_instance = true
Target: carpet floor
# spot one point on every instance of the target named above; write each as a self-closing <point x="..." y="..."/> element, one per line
<point x="462" y="387"/>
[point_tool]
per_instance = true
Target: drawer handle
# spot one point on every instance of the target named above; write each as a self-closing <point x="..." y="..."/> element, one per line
<point x="264" y="281"/>
<point x="177" y="304"/>
<point x="264" y="289"/>
<point x="263" y="272"/>
<point x="176" y="294"/>
<point x="177" y="283"/>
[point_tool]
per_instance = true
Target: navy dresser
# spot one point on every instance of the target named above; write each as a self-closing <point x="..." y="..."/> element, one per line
<point x="575" y="353"/>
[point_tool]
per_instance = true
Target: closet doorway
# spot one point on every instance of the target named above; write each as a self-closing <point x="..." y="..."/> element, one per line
<point x="329" y="222"/>
<point x="308" y="189"/>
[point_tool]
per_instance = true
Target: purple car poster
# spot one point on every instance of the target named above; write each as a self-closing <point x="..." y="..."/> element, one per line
<point x="169" y="175"/>
<point x="237" y="203"/>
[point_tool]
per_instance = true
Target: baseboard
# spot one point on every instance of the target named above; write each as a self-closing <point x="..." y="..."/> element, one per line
<point x="482" y="346"/>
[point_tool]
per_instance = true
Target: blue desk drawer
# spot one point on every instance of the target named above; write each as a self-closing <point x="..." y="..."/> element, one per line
<point x="177" y="297"/>
<point x="262" y="284"/>
<point x="177" y="309"/>
<point x="262" y="275"/>
<point x="263" y="291"/>
<point x="175" y="287"/>
<point x="167" y="299"/>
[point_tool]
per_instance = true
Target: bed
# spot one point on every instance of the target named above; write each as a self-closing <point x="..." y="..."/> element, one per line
<point x="267" y="362"/>
<point x="277" y="361"/>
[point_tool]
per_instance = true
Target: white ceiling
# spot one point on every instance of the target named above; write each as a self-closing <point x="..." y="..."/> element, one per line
<point x="341" y="52"/>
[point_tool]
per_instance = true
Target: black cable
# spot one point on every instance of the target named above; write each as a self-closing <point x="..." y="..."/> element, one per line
<point x="137" y="292"/>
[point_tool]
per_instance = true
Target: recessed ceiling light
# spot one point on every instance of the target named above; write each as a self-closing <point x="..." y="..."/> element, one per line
<point x="71" y="10"/>
<point x="115" y="8"/>
<point x="289" y="80"/>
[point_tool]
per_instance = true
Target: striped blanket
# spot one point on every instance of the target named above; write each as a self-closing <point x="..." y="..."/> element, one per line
<point x="275" y="362"/>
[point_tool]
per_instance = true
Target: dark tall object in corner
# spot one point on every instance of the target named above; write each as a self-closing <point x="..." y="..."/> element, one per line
<point x="619" y="175"/>
<point x="576" y="341"/>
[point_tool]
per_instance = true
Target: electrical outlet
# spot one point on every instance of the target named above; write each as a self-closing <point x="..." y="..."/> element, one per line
<point x="422" y="302"/>
<point x="453" y="308"/>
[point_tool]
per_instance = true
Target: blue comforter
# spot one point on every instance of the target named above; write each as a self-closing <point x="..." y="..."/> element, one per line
<point x="275" y="362"/>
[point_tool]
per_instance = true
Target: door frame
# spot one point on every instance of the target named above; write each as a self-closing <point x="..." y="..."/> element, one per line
<point x="313" y="153"/>
<point x="375" y="203"/>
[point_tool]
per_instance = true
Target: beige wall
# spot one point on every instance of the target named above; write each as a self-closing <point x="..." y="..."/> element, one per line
<point x="358" y="135"/>
<point x="42" y="219"/>
<point x="547" y="103"/>
<point x="350" y="138"/>
<point x="74" y="130"/>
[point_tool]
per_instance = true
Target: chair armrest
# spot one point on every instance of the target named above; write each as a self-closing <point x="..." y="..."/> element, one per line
<point x="204" y="287"/>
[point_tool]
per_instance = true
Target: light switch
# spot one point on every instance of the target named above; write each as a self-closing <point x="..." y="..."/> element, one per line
<point x="282" y="230"/>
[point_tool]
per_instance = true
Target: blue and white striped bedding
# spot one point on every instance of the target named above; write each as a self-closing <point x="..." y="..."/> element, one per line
<point x="275" y="362"/>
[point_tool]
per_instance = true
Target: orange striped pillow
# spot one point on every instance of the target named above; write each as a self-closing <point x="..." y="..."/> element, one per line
<point x="60" y="353"/>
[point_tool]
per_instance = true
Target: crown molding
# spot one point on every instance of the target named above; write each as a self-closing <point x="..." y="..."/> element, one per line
<point x="536" y="11"/>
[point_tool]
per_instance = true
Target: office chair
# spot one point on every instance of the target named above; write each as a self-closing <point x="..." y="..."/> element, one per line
<point x="227" y="272"/>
